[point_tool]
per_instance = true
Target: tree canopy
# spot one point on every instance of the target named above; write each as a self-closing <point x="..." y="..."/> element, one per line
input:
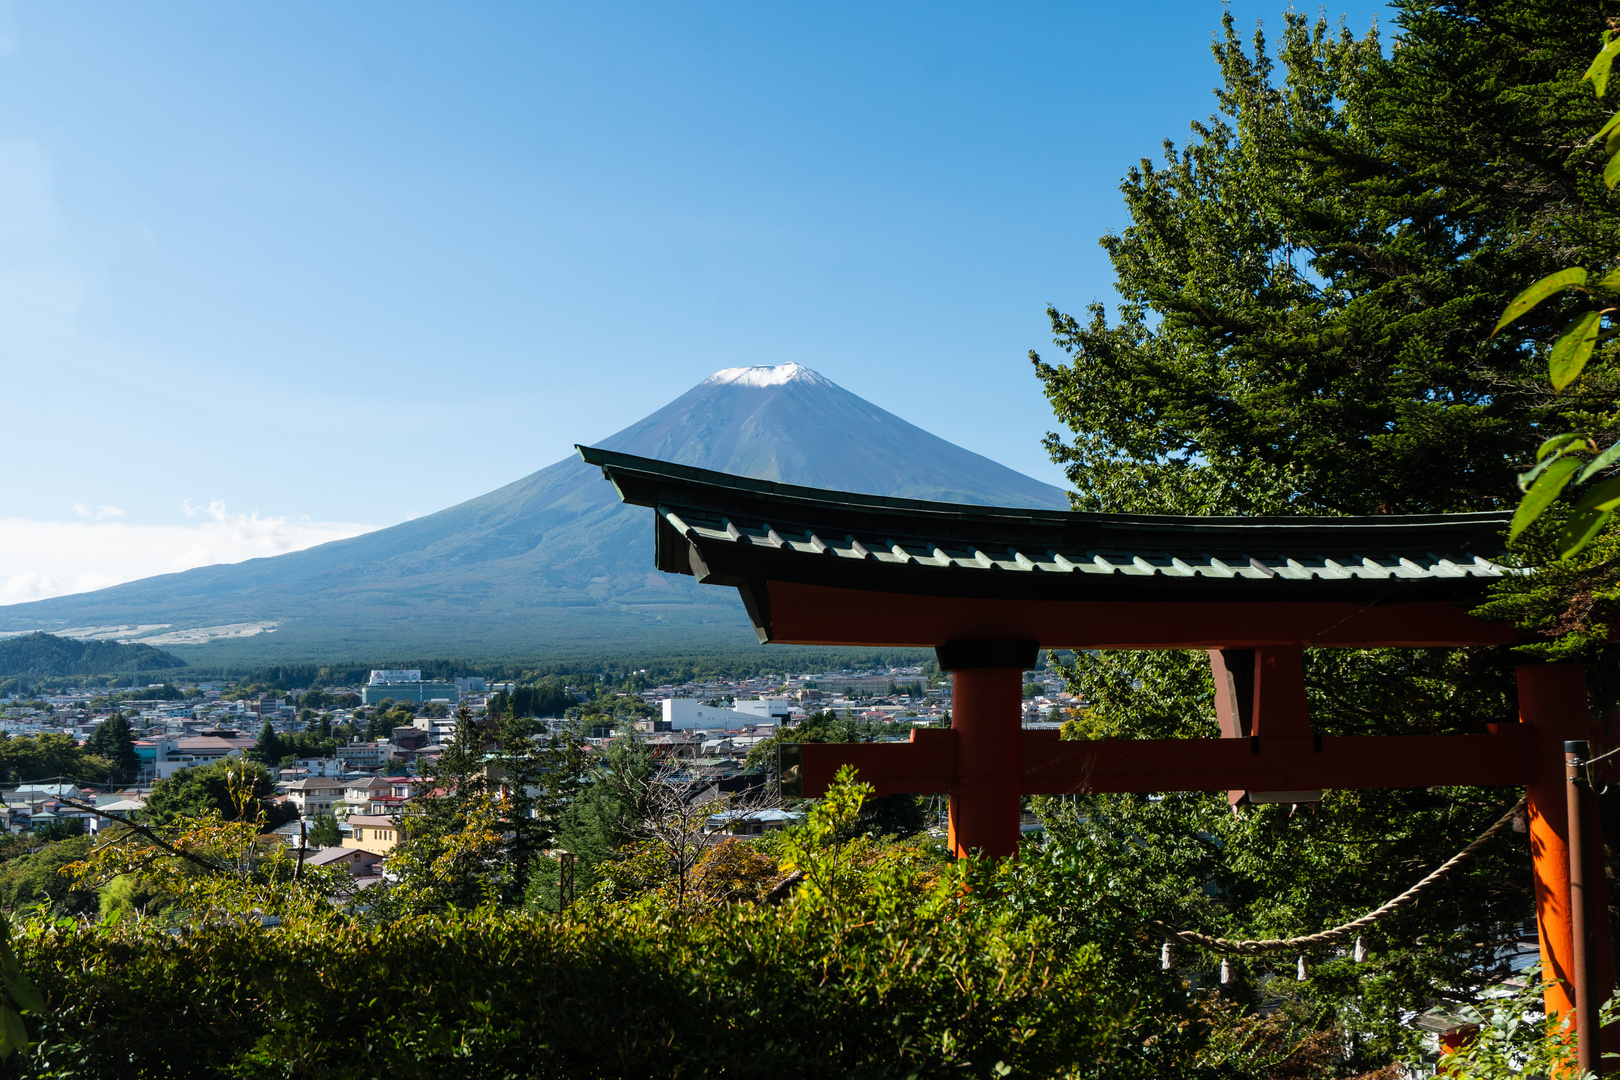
<point x="114" y="741"/>
<point x="1310" y="284"/>
<point x="196" y="791"/>
<point x="1308" y="290"/>
<point x="40" y="655"/>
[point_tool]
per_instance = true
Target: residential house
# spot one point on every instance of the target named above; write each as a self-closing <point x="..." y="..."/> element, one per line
<point x="750" y="822"/>
<point x="375" y="833"/>
<point x="358" y="793"/>
<point x="406" y="787"/>
<point x="673" y="745"/>
<point x="357" y="861"/>
<point x="366" y="755"/>
<point x="315" y="795"/>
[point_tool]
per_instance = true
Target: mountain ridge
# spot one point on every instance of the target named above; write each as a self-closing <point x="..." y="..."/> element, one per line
<point x="552" y="558"/>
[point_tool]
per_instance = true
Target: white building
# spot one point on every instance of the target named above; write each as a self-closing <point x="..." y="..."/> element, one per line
<point x="686" y="714"/>
<point x="767" y="710"/>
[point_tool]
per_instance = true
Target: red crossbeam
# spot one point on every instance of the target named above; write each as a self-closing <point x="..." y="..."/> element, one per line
<point x="927" y="764"/>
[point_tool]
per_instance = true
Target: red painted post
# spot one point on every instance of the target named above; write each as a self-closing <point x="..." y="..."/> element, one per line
<point x="987" y="706"/>
<point x="987" y="716"/>
<point x="1553" y="697"/>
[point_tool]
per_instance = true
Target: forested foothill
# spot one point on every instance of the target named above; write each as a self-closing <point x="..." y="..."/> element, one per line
<point x="1310" y="286"/>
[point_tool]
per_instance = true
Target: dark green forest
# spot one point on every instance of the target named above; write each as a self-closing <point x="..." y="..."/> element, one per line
<point x="41" y="655"/>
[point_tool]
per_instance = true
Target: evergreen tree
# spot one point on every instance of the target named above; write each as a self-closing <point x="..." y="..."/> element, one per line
<point x="113" y="740"/>
<point x="1308" y="292"/>
<point x="325" y="832"/>
<point x="270" y="748"/>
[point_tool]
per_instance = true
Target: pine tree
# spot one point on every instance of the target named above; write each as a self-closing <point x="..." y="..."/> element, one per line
<point x="113" y="740"/>
<point x="269" y="749"/>
<point x="1309" y="289"/>
<point x="1311" y="284"/>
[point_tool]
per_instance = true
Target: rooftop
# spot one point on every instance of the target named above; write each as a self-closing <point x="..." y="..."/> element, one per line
<point x="801" y="550"/>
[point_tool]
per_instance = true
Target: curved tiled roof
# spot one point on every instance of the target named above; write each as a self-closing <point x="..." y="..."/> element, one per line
<point x="735" y="530"/>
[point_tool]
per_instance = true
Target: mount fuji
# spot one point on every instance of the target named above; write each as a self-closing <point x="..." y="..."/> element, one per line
<point x="551" y="563"/>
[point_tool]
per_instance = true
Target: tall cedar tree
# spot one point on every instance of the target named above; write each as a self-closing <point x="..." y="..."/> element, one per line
<point x="114" y="741"/>
<point x="495" y="758"/>
<point x="1308" y="290"/>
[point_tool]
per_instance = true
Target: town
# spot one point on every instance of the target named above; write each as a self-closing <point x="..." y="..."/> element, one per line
<point x="397" y="724"/>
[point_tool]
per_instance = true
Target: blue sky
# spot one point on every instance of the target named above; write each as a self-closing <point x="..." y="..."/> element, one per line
<point x="273" y="272"/>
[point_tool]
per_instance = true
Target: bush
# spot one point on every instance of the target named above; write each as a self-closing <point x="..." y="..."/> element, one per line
<point x="638" y="990"/>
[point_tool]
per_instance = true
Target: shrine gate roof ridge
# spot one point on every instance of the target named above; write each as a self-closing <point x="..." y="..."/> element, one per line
<point x="735" y="530"/>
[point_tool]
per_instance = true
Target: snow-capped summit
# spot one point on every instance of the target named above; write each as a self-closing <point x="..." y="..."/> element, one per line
<point x="780" y="375"/>
<point x="790" y="424"/>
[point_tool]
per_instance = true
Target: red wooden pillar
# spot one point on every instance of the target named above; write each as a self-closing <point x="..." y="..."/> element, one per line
<point x="1553" y="697"/>
<point x="1261" y="693"/>
<point x="987" y="706"/>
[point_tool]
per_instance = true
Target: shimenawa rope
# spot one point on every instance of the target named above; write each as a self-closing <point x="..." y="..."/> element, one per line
<point x="1338" y="933"/>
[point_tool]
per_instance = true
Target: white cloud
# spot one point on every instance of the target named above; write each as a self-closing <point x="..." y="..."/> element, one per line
<point x="39" y="559"/>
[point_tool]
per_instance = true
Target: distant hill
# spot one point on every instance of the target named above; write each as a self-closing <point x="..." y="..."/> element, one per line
<point x="42" y="656"/>
<point x="553" y="562"/>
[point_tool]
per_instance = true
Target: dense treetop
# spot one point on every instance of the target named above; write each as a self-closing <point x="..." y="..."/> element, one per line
<point x="1309" y="285"/>
<point x="44" y="655"/>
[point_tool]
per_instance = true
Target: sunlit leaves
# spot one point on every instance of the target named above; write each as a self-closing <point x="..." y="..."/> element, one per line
<point x="1573" y="348"/>
<point x="1598" y="73"/>
<point x="1599" y="463"/>
<point x="1595" y="507"/>
<point x="1551" y="285"/>
<point x="1542" y="493"/>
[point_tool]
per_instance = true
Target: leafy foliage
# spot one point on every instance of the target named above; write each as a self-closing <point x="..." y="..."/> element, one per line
<point x="1310" y="284"/>
<point x="36" y="879"/>
<point x="215" y="789"/>
<point x="1575" y="456"/>
<point x="1309" y="288"/>
<point x="52" y="755"/>
<point x="900" y="965"/>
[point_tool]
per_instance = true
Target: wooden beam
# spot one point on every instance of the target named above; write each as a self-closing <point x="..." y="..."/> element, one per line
<point x="1505" y="757"/>
<point x="1292" y="763"/>
<point x="821" y="615"/>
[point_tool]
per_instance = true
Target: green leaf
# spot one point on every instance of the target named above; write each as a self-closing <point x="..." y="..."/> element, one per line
<point x="13" y="1035"/>
<point x="1588" y="516"/>
<point x="1611" y="280"/>
<point x="1573" y="348"/>
<point x="1557" y="442"/>
<point x="1611" y="171"/>
<point x="1599" y="463"/>
<point x="27" y="995"/>
<point x="1607" y="130"/>
<point x="1542" y="493"/>
<point x="1535" y="294"/>
<point x="1527" y="478"/>
<point x="1603" y="497"/>
<point x="1599" y="71"/>
<point x="1579" y="531"/>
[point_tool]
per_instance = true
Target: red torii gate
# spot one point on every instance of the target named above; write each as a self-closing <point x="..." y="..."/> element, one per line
<point x="989" y="587"/>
